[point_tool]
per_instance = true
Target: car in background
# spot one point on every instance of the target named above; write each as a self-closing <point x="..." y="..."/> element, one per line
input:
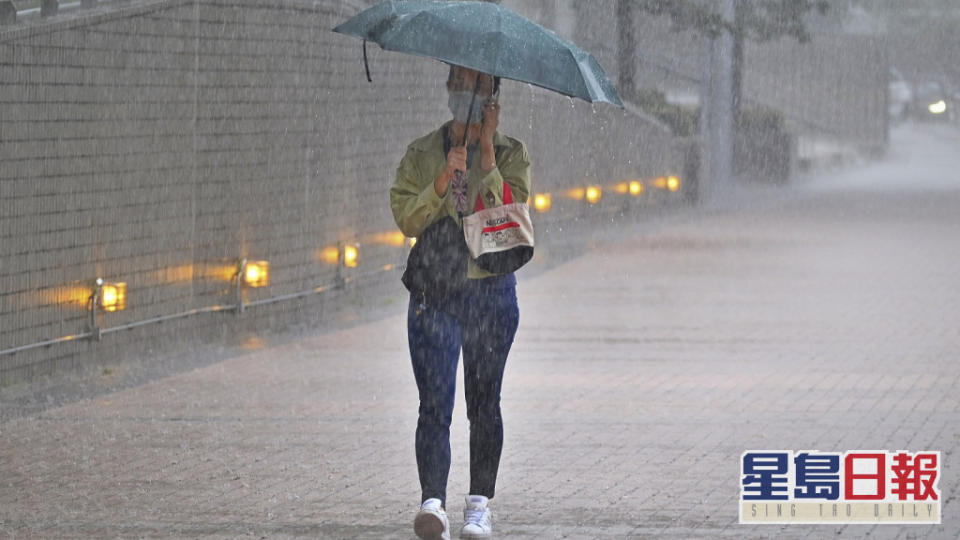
<point x="932" y="103"/>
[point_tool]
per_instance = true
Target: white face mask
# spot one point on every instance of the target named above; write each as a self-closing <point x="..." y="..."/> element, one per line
<point x="459" y="104"/>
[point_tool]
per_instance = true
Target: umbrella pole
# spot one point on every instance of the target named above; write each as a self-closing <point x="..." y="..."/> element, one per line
<point x="473" y="99"/>
<point x="466" y="127"/>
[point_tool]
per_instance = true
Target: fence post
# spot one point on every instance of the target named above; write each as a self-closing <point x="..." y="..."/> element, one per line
<point x="8" y="12"/>
<point x="49" y="7"/>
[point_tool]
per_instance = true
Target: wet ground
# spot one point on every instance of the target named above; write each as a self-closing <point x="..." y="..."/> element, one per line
<point x="823" y="316"/>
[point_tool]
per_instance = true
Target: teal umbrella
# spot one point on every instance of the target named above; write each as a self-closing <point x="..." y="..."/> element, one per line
<point x="484" y="37"/>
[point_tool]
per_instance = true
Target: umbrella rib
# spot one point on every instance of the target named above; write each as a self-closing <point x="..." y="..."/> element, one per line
<point x="576" y="62"/>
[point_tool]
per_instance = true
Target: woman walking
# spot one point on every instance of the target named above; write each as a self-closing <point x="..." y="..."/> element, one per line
<point x="480" y="318"/>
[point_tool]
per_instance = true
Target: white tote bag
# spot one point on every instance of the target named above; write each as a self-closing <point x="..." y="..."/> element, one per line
<point x="500" y="239"/>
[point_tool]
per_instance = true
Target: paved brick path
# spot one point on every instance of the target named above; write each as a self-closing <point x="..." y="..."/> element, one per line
<point x="642" y="370"/>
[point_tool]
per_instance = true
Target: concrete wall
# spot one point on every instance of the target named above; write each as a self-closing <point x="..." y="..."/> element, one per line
<point x="157" y="142"/>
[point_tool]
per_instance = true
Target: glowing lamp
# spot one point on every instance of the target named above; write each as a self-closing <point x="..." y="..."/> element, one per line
<point x="350" y="255"/>
<point x="577" y="194"/>
<point x="113" y="296"/>
<point x="593" y="194"/>
<point x="660" y="182"/>
<point x="622" y="188"/>
<point x="541" y="201"/>
<point x="939" y="107"/>
<point x="256" y="273"/>
<point x="330" y="255"/>
<point x="673" y="183"/>
<point x="636" y="187"/>
<point x="391" y="238"/>
<point x="411" y="241"/>
<point x="397" y="239"/>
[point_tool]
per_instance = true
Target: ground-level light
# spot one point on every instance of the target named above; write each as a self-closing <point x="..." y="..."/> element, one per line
<point x="344" y="254"/>
<point x="593" y="194"/>
<point x="256" y="273"/>
<point x="330" y="255"/>
<point x="542" y="202"/>
<point x="111" y="296"/>
<point x="390" y="238"/>
<point x="673" y="183"/>
<point x="351" y="255"/>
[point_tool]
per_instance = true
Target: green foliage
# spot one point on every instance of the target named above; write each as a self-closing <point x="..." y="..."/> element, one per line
<point x="760" y="121"/>
<point x="762" y="145"/>
<point x="683" y="121"/>
<point x="685" y="14"/>
<point x="769" y="19"/>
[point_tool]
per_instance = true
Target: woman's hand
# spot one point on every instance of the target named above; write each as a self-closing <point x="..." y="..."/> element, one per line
<point x="456" y="161"/>
<point x="491" y="120"/>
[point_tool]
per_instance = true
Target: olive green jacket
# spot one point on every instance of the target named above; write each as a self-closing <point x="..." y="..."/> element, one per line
<point x="415" y="202"/>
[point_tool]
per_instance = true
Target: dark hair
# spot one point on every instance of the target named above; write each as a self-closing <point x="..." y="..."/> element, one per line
<point x="496" y="80"/>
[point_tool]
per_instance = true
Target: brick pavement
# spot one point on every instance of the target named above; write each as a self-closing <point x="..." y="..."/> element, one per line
<point x="641" y="371"/>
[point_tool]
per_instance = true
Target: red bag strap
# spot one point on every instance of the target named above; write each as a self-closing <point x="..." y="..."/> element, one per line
<point x="507" y="198"/>
<point x="507" y="194"/>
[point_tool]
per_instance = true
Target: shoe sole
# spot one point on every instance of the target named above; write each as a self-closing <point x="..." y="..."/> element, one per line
<point x="428" y="527"/>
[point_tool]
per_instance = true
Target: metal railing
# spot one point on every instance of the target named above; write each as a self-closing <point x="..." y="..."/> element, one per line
<point x="96" y="332"/>
<point x="652" y="193"/>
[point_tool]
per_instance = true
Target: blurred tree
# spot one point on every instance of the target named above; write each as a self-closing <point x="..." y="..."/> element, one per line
<point x="626" y="45"/>
<point x="727" y="24"/>
<point x="759" y="20"/>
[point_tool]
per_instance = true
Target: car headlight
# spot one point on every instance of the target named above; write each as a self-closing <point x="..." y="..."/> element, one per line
<point x="939" y="107"/>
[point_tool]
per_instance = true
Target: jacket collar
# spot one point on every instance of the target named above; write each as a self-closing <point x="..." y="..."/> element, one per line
<point x="434" y="141"/>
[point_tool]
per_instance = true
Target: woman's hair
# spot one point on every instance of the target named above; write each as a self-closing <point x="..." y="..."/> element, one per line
<point x="496" y="80"/>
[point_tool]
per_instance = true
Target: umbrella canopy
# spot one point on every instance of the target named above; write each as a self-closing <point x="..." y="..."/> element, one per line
<point x="485" y="37"/>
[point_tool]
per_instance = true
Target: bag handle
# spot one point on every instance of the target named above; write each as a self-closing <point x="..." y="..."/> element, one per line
<point x="507" y="198"/>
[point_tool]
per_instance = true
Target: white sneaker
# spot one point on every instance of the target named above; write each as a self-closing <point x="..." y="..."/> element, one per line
<point x="431" y="521"/>
<point x="478" y="523"/>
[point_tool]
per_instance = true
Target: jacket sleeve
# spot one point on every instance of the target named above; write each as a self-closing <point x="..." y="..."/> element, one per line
<point x="513" y="167"/>
<point x="413" y="199"/>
